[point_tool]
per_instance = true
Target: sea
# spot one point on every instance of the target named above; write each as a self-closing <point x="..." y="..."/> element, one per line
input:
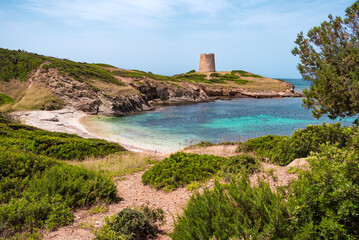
<point x="168" y="129"/>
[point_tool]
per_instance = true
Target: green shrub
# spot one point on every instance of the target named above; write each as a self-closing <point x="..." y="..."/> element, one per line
<point x="283" y="150"/>
<point x="239" y="164"/>
<point x="193" y="77"/>
<point x="214" y="75"/>
<point x="181" y="169"/>
<point x="29" y="213"/>
<point x="239" y="72"/>
<point x="136" y="224"/>
<point x="251" y="75"/>
<point x="235" y="211"/>
<point x="81" y="71"/>
<point x="69" y="148"/>
<point x="17" y="169"/>
<point x="326" y="198"/>
<point x="58" y="145"/>
<point x="192" y="71"/>
<point x="203" y="144"/>
<point x="4" y="99"/>
<point x="78" y="186"/>
<point x="104" y="65"/>
<point x="17" y="64"/>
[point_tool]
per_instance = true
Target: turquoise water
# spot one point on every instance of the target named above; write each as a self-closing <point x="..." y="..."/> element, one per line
<point x="171" y="128"/>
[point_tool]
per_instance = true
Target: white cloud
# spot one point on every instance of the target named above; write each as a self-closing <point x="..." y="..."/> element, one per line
<point x="123" y="12"/>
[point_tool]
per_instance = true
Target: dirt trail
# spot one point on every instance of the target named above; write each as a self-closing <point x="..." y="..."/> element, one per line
<point x="135" y="194"/>
<point x="33" y="76"/>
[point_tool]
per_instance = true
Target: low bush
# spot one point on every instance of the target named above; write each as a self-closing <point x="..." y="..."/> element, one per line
<point x="68" y="148"/>
<point x="28" y="214"/>
<point x="216" y="75"/>
<point x="17" y="169"/>
<point x="132" y="224"/>
<point x="77" y="186"/>
<point x="283" y="150"/>
<point x="181" y="169"/>
<point x="326" y="198"/>
<point x="17" y="64"/>
<point x="37" y="191"/>
<point x="235" y="211"/>
<point x="58" y="145"/>
<point x="81" y="71"/>
<point x="4" y="99"/>
<point x="239" y="72"/>
<point x="240" y="164"/>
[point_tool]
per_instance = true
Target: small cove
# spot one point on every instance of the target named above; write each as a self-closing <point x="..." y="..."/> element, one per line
<point x="168" y="129"/>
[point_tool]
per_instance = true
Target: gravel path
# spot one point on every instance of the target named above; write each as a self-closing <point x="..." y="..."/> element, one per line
<point x="134" y="194"/>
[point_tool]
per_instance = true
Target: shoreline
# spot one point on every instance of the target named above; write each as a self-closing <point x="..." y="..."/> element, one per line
<point x="69" y="121"/>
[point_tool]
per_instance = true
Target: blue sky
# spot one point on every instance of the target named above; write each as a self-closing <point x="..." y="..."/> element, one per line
<point x="166" y="36"/>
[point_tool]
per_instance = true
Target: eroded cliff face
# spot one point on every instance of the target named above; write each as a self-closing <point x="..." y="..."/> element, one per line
<point x="103" y="98"/>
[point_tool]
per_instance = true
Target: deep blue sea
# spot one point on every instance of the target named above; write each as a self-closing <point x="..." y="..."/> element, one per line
<point x="170" y="128"/>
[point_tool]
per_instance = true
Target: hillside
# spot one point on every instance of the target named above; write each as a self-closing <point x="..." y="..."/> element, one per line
<point x="36" y="82"/>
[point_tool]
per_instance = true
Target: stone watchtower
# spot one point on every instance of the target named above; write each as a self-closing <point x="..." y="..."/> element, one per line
<point x="206" y="63"/>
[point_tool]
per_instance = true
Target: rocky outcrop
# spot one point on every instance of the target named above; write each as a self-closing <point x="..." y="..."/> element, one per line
<point x="136" y="96"/>
<point x="84" y="97"/>
<point x="167" y="92"/>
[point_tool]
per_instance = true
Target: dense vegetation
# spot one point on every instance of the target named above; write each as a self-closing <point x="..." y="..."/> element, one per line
<point x="329" y="60"/>
<point x="283" y="150"/>
<point x="57" y="145"/>
<point x="321" y="204"/>
<point x="39" y="191"/>
<point x="234" y="211"/>
<point x="17" y="64"/>
<point x="182" y="168"/>
<point x="82" y="71"/>
<point x="132" y="224"/>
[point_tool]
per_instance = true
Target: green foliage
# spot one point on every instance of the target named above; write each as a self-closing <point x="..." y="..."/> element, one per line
<point x="104" y="65"/>
<point x="82" y="71"/>
<point x="4" y="99"/>
<point x="37" y="191"/>
<point x="58" y="145"/>
<point x="78" y="186"/>
<point x="329" y="59"/>
<point x="129" y="74"/>
<point x="283" y="150"/>
<point x="28" y="214"/>
<point x="326" y="198"/>
<point x="181" y="169"/>
<point x="251" y="75"/>
<point x="17" y="169"/>
<point x="214" y="75"/>
<point x="192" y="71"/>
<point x="193" y="77"/>
<point x="239" y="72"/>
<point x="72" y="147"/>
<point x="17" y="64"/>
<point x="132" y="224"/>
<point x="240" y="164"/>
<point x="235" y="211"/>
<point x="203" y="144"/>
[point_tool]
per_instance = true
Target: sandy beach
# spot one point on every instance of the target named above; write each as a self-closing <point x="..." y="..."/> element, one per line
<point x="67" y="121"/>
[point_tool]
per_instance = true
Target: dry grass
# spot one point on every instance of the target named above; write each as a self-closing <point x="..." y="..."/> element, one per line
<point x="15" y="89"/>
<point x="38" y="98"/>
<point x="117" y="165"/>
<point x="264" y="84"/>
